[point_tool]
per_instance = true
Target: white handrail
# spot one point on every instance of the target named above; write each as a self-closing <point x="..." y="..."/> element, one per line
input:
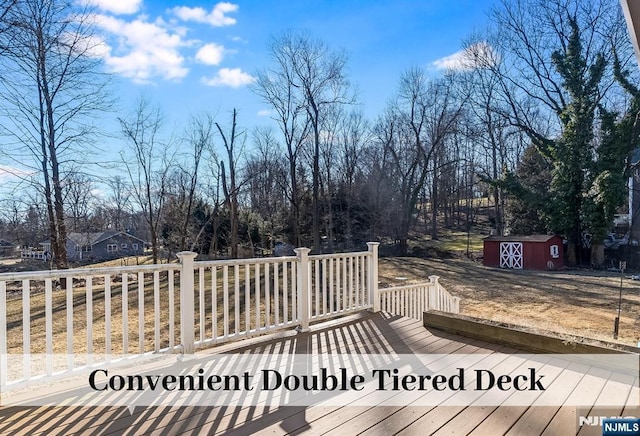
<point x="133" y="308"/>
<point x="412" y="300"/>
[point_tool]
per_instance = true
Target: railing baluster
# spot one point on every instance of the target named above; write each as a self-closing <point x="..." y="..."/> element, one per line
<point x="345" y="291"/>
<point x="356" y="287"/>
<point x="236" y="291"/>
<point x="201" y="302"/>
<point x="285" y="292"/>
<point x="317" y="287"/>
<point x="141" y="312"/>
<point x="256" y="283"/>
<point x="350" y="261"/>
<point x="88" y="283"/>
<point x="339" y="288"/>
<point x="294" y="295"/>
<point x="332" y="307"/>
<point x="396" y="306"/>
<point x="324" y="286"/>
<point x="247" y="298"/>
<point x="156" y="310"/>
<point x="125" y="314"/>
<point x="107" y="316"/>
<point x="69" y="291"/>
<point x="214" y="301"/>
<point x="276" y="292"/>
<point x="225" y="298"/>
<point x="267" y="297"/>
<point x="26" y="329"/>
<point x="363" y="279"/>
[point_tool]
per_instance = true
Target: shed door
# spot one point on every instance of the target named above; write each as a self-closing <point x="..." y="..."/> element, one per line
<point x="511" y="255"/>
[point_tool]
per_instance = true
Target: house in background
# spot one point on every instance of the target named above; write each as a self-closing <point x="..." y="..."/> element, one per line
<point x="99" y="246"/>
<point x="7" y="248"/>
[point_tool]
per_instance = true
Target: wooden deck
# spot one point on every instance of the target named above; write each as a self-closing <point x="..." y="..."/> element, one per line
<point x="367" y="333"/>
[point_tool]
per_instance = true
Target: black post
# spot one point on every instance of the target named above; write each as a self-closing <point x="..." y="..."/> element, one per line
<point x="616" y="324"/>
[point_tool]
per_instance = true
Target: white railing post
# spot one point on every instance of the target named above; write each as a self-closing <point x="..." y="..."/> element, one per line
<point x="456" y="305"/>
<point x="372" y="270"/>
<point x="187" y="293"/>
<point x="434" y="294"/>
<point x="303" y="287"/>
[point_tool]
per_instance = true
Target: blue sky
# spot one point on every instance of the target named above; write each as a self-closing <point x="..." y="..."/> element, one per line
<point x="207" y="52"/>
<point x="201" y="55"/>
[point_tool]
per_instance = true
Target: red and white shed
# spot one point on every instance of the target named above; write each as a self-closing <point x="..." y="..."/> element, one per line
<point x="540" y="252"/>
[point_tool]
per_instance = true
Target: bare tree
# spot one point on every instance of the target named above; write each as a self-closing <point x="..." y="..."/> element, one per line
<point x="230" y="182"/>
<point x="354" y="135"/>
<point x="267" y="184"/>
<point x="277" y="88"/>
<point x="78" y="191"/>
<point x="315" y="79"/>
<point x="120" y="201"/>
<point x="147" y="165"/>
<point x="199" y="135"/>
<point x="412" y="131"/>
<point x="51" y="87"/>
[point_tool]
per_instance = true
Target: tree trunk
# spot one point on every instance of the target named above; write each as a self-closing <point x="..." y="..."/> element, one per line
<point x="403" y="247"/>
<point x="434" y="203"/>
<point x="295" y="212"/>
<point x="572" y="258"/>
<point x="597" y="255"/>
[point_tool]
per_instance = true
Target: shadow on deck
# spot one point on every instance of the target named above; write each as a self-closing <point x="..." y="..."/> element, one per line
<point x="365" y="333"/>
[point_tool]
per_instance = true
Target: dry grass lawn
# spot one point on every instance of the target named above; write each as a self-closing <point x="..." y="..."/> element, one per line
<point x="582" y="303"/>
<point x="140" y="294"/>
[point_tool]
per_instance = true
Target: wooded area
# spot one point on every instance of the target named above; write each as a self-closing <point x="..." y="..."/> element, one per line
<point x="538" y="115"/>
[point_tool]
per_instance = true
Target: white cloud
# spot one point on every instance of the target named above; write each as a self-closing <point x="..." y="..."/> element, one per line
<point x="90" y="45"/>
<point x="264" y="112"/>
<point x="145" y="50"/>
<point x="233" y="77"/>
<point x="478" y="55"/>
<point x="238" y="39"/>
<point x="210" y="54"/>
<point x="217" y="17"/>
<point x="7" y="172"/>
<point x="117" y="6"/>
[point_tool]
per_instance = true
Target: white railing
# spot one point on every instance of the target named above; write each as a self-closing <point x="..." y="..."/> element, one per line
<point x="339" y="284"/>
<point x="38" y="255"/>
<point x="241" y="298"/>
<point x="95" y="315"/>
<point x="413" y="300"/>
<point x="89" y="316"/>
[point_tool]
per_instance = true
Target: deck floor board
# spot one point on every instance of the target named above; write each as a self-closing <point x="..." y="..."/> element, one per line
<point x="362" y="335"/>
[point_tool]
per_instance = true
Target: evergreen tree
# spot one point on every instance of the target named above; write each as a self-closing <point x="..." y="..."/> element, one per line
<point x="571" y="153"/>
<point x="528" y="207"/>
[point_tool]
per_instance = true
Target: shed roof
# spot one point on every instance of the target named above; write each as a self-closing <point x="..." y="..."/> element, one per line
<point x="520" y="238"/>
